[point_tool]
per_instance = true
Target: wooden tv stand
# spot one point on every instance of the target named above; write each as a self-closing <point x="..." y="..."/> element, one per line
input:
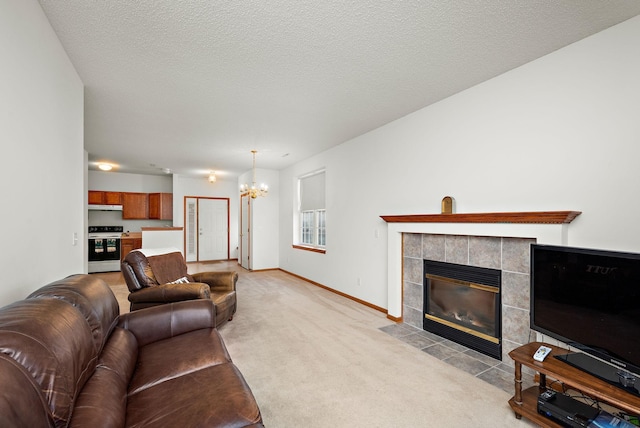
<point x="524" y="403"/>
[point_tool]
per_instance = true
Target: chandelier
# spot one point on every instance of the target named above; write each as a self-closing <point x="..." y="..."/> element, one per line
<point x="254" y="191"/>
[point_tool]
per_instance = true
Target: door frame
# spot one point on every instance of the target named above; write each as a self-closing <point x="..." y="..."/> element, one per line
<point x="197" y="226"/>
<point x="241" y="229"/>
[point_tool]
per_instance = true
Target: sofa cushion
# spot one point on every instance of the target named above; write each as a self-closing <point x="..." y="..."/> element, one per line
<point x="53" y="341"/>
<point x="161" y="361"/>
<point x="92" y="297"/>
<point x="224" y="400"/>
<point x="104" y="396"/>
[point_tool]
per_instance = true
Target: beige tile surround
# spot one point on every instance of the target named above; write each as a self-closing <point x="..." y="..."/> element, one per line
<point x="510" y="255"/>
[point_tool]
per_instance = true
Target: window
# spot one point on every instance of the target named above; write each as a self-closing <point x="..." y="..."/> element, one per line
<point x="312" y="229"/>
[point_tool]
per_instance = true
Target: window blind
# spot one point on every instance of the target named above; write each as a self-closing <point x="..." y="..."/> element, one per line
<point x="312" y="192"/>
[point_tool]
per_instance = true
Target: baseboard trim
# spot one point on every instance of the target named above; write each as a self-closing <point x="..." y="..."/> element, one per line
<point x="211" y="261"/>
<point x="394" y="319"/>
<point x="339" y="293"/>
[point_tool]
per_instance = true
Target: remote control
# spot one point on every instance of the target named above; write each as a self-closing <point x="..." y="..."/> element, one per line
<point x="541" y="353"/>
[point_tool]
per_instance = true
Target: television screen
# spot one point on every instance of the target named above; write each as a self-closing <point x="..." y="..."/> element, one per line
<point x="589" y="299"/>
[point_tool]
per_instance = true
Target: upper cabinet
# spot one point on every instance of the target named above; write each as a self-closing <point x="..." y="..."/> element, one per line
<point x="98" y="197"/>
<point x="113" y="198"/>
<point x="161" y="206"/>
<point x="95" y="197"/>
<point x="135" y="206"/>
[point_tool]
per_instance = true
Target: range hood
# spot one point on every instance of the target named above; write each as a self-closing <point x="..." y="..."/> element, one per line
<point x="93" y="207"/>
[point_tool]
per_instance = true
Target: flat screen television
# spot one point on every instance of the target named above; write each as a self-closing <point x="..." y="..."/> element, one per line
<point x="590" y="300"/>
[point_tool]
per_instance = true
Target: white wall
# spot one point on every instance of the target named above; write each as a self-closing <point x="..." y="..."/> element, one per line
<point x="265" y="224"/>
<point x="124" y="182"/>
<point x="560" y="133"/>
<point x="41" y="140"/>
<point x="193" y="187"/>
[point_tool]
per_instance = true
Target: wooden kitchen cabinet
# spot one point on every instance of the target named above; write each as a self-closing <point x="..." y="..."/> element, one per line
<point x="130" y="243"/>
<point x="99" y="197"/>
<point x="113" y="198"/>
<point x="96" y="197"/>
<point x="161" y="206"/>
<point x="135" y="206"/>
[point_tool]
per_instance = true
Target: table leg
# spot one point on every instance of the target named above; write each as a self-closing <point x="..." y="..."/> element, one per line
<point x="518" y="385"/>
<point x="543" y="382"/>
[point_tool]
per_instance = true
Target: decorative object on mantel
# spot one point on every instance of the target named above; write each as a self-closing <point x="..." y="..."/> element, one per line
<point x="541" y="217"/>
<point x="447" y="205"/>
<point x="254" y="191"/>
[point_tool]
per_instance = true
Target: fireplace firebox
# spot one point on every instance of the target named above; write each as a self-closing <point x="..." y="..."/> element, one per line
<point x="462" y="303"/>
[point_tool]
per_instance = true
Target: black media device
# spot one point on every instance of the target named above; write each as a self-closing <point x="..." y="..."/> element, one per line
<point x="590" y="300"/>
<point x="565" y="410"/>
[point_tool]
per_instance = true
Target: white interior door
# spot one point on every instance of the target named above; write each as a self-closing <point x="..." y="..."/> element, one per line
<point x="245" y="210"/>
<point x="213" y="229"/>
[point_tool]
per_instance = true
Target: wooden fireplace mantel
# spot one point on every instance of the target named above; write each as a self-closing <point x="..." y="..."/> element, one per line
<point x="539" y="217"/>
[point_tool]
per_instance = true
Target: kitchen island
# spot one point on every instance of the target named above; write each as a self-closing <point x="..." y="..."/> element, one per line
<point x="163" y="237"/>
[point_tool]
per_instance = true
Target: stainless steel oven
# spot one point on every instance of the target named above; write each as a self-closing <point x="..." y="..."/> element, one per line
<point x="104" y="248"/>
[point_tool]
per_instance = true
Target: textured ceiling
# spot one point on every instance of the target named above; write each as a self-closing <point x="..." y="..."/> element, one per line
<point x="193" y="85"/>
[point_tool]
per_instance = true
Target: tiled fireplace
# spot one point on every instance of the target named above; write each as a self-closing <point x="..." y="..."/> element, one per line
<point x="508" y="255"/>
<point x="489" y="240"/>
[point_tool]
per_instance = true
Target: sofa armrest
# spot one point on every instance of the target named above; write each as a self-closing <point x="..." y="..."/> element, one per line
<point x="168" y="293"/>
<point x="165" y="321"/>
<point x="218" y="281"/>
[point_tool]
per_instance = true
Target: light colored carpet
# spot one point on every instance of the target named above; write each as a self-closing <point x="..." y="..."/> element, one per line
<point x="315" y="359"/>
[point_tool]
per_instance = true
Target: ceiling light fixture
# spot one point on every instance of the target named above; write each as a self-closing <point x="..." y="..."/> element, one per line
<point x="212" y="177"/>
<point x="254" y="191"/>
<point x="105" y="166"/>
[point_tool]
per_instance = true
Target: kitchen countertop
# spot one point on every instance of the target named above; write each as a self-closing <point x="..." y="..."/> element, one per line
<point x="160" y="229"/>
<point x="132" y="235"/>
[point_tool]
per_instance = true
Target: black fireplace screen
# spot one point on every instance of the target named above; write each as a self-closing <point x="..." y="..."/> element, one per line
<point x="462" y="303"/>
<point x="466" y="305"/>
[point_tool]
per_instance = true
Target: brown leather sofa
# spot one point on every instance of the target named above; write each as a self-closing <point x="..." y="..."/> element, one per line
<point x="67" y="359"/>
<point x="151" y="280"/>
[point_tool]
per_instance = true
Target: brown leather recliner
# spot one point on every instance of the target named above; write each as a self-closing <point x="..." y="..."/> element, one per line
<point x="156" y="279"/>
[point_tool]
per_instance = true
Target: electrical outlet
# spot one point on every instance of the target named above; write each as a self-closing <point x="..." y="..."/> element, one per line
<point x="359" y="282"/>
<point x="74" y="239"/>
